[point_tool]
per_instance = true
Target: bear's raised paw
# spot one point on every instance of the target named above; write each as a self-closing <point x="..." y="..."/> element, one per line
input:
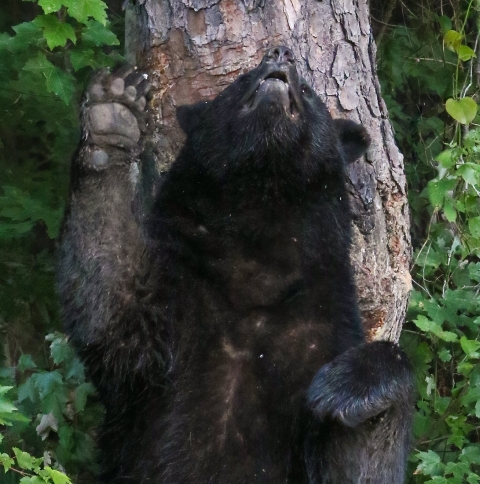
<point x="113" y="114"/>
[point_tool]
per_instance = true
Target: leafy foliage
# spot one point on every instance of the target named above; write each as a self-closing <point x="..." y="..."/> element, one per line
<point x="44" y="64"/>
<point x="56" y="407"/>
<point x="427" y="73"/>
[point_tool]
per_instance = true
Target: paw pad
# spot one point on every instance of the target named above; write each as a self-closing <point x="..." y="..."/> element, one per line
<point x="114" y="110"/>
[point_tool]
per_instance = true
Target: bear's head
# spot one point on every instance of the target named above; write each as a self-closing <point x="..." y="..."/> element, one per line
<point x="270" y="123"/>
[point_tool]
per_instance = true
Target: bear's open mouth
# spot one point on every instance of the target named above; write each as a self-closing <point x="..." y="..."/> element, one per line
<point x="282" y="76"/>
<point x="279" y="80"/>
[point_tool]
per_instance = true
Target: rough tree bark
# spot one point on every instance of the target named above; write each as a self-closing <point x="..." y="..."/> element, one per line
<point x="192" y="49"/>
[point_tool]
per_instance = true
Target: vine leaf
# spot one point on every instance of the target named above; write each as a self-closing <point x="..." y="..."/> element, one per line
<point x="465" y="52"/>
<point x="453" y="40"/>
<point x="462" y="110"/>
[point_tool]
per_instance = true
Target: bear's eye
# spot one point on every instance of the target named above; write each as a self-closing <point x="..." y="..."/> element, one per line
<point x="305" y="89"/>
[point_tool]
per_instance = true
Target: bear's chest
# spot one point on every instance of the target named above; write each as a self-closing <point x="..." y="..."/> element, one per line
<point x="254" y="264"/>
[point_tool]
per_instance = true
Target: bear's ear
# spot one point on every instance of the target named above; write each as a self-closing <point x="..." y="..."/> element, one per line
<point x="353" y="137"/>
<point x="189" y="115"/>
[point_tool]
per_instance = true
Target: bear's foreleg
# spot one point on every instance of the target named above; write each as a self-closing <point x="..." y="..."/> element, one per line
<point x="362" y="404"/>
<point x="104" y="273"/>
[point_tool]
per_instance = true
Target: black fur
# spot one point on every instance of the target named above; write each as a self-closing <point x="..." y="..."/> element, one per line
<point x="203" y="322"/>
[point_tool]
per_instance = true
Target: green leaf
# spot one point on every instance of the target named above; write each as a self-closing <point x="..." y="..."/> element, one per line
<point x="426" y="325"/>
<point x="441" y="404"/>
<point x="444" y="355"/>
<point x="6" y="407"/>
<point x="25" y="362"/>
<point x="474" y="271"/>
<point x="438" y="189"/>
<point x="58" y="81"/>
<point x="26" y="461"/>
<point x="447" y="158"/>
<point x="465" y="53"/>
<point x="449" y="211"/>
<point x="32" y="480"/>
<point x="445" y="23"/>
<point x="50" y="5"/>
<point x="82" y="10"/>
<point x="6" y="461"/>
<point x="469" y="172"/>
<point x="74" y="370"/>
<point x="429" y="257"/>
<point x="452" y="40"/>
<point x="459" y="299"/>
<point x="47" y="382"/>
<point x="55" y="402"/>
<point x="81" y="394"/>
<point x="462" y="110"/>
<point x="421" y="424"/>
<point x="474" y="226"/>
<point x="465" y="368"/>
<point x="471" y="454"/>
<point x="96" y="33"/>
<point x="422" y="357"/>
<point x="477" y="409"/>
<point x="430" y="463"/>
<point x="83" y="58"/>
<point x="459" y="429"/>
<point x="8" y="412"/>
<point x="61" y="351"/>
<point x="473" y="478"/>
<point x="57" y="476"/>
<point x="27" y="34"/>
<point x="28" y="390"/>
<point x="439" y="480"/>
<point x="458" y="469"/>
<point x="470" y="347"/>
<point x="55" y="32"/>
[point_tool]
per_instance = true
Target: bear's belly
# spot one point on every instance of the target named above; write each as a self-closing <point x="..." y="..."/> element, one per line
<point x="250" y="386"/>
<point x="255" y="341"/>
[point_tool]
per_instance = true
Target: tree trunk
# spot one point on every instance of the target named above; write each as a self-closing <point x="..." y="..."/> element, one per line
<point x="192" y="49"/>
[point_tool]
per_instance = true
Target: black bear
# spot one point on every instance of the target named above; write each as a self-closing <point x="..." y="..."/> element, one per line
<point x="220" y="324"/>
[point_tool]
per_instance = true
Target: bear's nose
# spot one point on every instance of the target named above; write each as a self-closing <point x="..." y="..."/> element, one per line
<point x="280" y="54"/>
